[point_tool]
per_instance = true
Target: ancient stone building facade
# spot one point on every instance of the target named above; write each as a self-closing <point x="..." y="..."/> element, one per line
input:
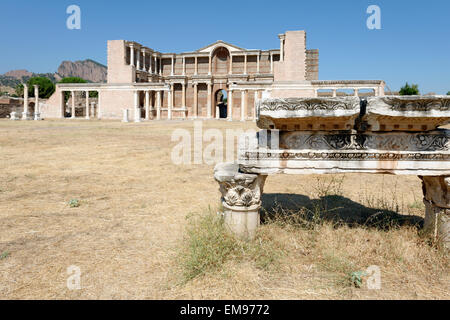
<point x="157" y="85"/>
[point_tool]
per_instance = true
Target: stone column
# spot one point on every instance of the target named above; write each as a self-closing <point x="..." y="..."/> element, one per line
<point x="99" y="105"/>
<point x="25" y="103"/>
<point x="241" y="199"/>
<point x="230" y="71"/>
<point x="281" y="36"/>
<point x="37" y="111"/>
<point x="147" y="105"/>
<point x="230" y="105"/>
<point x="355" y="92"/>
<point x="152" y="71"/>
<point x="436" y="192"/>
<point x="245" y="64"/>
<point x="210" y="65"/>
<point x="271" y="62"/>
<point x="316" y="94"/>
<point x="183" y="99"/>
<point x="254" y="104"/>
<point x="334" y="93"/>
<point x="195" y="100"/>
<point x="169" y="102"/>
<point x="160" y="66"/>
<point x="184" y="65"/>
<point x="196" y="67"/>
<point x="125" y="115"/>
<point x="62" y="104"/>
<point x="172" y="71"/>
<point x="158" y="105"/>
<point x="132" y="55"/>
<point x="243" y="105"/>
<point x="72" y="93"/>
<point x="138" y="58"/>
<point x="208" y="111"/>
<point x="87" y="105"/>
<point x="257" y="62"/>
<point x="93" y="109"/>
<point x="137" y="110"/>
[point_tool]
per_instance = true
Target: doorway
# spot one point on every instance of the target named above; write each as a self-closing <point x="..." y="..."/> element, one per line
<point x="220" y="99"/>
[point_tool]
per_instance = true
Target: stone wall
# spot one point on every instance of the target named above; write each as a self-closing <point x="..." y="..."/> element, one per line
<point x="118" y="70"/>
<point x="312" y="64"/>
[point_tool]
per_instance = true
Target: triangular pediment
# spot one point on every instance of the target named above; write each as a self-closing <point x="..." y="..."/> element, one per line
<point x="220" y="43"/>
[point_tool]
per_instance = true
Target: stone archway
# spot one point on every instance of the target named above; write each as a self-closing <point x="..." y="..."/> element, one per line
<point x="220" y="61"/>
<point x="220" y="101"/>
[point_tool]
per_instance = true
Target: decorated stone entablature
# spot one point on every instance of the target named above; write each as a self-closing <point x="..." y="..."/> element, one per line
<point x="406" y="113"/>
<point x="294" y="114"/>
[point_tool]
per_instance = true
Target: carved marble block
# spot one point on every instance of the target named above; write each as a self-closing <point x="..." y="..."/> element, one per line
<point x="309" y="152"/>
<point x="393" y="135"/>
<point x="406" y="113"/>
<point x="294" y="114"/>
<point x="241" y="198"/>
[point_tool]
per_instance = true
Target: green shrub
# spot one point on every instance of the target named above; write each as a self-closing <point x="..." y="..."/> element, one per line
<point x="74" y="203"/>
<point x="4" y="255"/>
<point x="208" y="246"/>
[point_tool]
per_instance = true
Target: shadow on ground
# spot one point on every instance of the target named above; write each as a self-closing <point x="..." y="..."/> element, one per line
<point x="294" y="208"/>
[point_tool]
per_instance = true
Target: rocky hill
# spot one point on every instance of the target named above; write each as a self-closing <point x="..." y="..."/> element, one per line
<point x="18" y="74"/>
<point x="89" y="70"/>
<point x="86" y="69"/>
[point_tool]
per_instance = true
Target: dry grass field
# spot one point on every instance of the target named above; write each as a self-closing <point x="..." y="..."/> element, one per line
<point x="132" y="238"/>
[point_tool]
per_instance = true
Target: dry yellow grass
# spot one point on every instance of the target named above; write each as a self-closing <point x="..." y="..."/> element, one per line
<point x="126" y="234"/>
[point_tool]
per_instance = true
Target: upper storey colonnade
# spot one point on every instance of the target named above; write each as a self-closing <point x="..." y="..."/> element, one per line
<point x="218" y="59"/>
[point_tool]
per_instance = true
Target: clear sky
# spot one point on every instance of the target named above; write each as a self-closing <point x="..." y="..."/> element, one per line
<point x="413" y="44"/>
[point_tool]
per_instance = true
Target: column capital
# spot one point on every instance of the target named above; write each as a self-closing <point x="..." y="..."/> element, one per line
<point x="241" y="198"/>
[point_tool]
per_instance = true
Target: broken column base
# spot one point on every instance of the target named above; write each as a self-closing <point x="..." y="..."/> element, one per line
<point x="13" y="116"/>
<point x="242" y="221"/>
<point x="26" y="116"/>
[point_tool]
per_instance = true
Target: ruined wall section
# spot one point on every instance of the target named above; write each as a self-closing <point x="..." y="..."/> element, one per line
<point x="118" y="70"/>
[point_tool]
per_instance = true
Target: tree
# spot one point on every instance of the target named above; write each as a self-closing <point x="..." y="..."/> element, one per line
<point x="19" y="90"/>
<point x="92" y="94"/>
<point x="46" y="87"/>
<point x="72" y="80"/>
<point x="409" y="90"/>
<point x="448" y="93"/>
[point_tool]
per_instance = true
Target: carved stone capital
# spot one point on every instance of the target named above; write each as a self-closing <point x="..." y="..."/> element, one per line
<point x="239" y="189"/>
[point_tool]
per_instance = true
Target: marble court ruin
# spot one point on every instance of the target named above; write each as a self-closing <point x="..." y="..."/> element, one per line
<point x="302" y="132"/>
<point x="380" y="135"/>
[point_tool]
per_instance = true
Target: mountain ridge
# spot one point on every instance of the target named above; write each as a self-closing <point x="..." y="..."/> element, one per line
<point x="88" y="69"/>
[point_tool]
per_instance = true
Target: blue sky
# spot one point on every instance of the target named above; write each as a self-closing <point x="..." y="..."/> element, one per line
<point x="413" y="44"/>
